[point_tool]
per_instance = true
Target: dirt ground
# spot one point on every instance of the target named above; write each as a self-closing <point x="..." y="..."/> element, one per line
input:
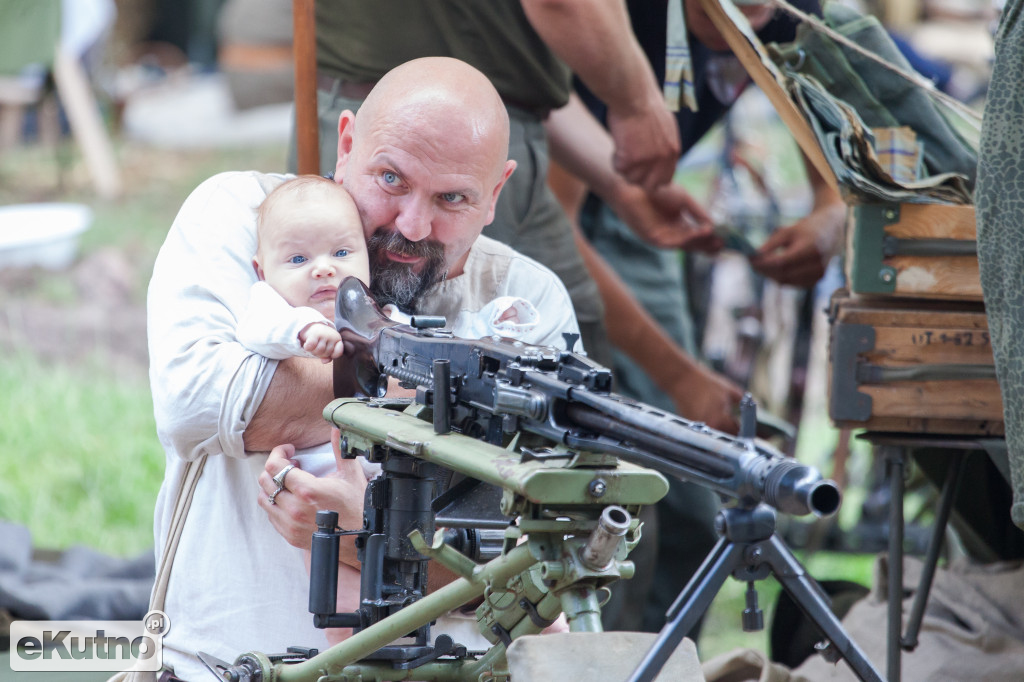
<point x="104" y="322"/>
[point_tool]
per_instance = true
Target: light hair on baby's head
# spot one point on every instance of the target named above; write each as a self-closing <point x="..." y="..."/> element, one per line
<point x="299" y="189"/>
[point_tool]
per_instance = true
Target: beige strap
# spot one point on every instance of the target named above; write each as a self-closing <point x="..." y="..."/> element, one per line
<point x="189" y="480"/>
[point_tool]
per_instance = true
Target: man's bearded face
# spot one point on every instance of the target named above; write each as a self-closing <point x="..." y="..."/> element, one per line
<point x="398" y="283"/>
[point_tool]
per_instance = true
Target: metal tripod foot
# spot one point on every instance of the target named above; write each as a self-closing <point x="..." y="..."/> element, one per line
<point x="750" y="550"/>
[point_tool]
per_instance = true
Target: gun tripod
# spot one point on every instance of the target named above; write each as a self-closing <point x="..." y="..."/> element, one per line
<point x="750" y="550"/>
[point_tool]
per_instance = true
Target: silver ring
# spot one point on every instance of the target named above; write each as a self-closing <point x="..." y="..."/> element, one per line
<point x="279" y="480"/>
<point x="279" y="477"/>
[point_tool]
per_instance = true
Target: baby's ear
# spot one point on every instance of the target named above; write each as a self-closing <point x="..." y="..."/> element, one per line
<point x="257" y="268"/>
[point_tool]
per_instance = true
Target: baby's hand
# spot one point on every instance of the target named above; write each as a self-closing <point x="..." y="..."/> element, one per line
<point x="321" y="340"/>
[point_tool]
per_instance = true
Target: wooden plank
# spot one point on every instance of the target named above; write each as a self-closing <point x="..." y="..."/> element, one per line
<point x="955" y="277"/>
<point x="909" y="333"/>
<point x="883" y="311"/>
<point x="969" y="399"/>
<point x="919" y="221"/>
<point x="766" y="80"/>
<point x="930" y="277"/>
<point x="901" y="346"/>
<point x="958" y="427"/>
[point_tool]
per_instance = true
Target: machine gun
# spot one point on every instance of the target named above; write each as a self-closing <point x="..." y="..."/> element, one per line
<point x="573" y="463"/>
<point x="492" y="388"/>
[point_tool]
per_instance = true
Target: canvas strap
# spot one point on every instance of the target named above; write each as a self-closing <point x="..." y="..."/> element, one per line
<point x="189" y="480"/>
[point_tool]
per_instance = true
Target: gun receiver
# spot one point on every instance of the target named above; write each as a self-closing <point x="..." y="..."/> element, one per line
<point x="491" y="388"/>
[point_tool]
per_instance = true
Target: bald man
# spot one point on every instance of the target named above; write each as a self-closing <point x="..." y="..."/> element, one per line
<point x="424" y="160"/>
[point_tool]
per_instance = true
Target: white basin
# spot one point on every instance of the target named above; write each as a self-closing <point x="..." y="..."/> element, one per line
<point x="41" y="234"/>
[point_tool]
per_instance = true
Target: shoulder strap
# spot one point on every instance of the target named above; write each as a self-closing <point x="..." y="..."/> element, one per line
<point x="189" y="479"/>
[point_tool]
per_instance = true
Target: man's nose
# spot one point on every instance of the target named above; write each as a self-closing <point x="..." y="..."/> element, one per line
<point x="415" y="215"/>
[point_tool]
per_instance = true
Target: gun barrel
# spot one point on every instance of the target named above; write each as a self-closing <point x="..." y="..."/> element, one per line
<point x="734" y="467"/>
<point x="799" y="489"/>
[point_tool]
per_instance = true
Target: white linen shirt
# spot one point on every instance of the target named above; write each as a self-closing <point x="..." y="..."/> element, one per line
<point x="236" y="585"/>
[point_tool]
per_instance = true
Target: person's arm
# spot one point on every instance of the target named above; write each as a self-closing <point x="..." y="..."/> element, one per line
<point x="666" y="217"/>
<point x="799" y="253"/>
<point x="697" y="392"/>
<point x="277" y="330"/>
<point x="596" y="41"/>
<point x="322" y="340"/>
<point x="292" y="407"/>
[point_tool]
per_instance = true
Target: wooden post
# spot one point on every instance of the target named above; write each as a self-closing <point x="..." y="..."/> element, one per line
<point x="307" y="130"/>
<point x="86" y="124"/>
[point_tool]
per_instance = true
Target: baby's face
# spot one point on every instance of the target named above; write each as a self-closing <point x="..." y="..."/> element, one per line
<point x="308" y="248"/>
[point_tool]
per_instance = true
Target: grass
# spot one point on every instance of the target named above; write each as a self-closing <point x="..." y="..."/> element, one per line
<point x="85" y="461"/>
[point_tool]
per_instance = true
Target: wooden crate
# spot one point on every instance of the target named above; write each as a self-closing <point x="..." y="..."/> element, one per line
<point x="912" y="367"/>
<point x="913" y="250"/>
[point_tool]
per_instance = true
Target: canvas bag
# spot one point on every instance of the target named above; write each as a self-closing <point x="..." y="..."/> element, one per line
<point x="819" y="71"/>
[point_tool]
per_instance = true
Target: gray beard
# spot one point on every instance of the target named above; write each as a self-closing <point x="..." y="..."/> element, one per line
<point x="396" y="283"/>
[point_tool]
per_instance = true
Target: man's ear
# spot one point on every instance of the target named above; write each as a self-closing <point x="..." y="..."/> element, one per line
<point x="510" y="166"/>
<point x="346" y="130"/>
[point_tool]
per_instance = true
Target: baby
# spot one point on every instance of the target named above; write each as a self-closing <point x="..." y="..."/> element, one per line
<point x="309" y="238"/>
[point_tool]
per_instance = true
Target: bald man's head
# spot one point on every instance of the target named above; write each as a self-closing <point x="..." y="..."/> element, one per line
<point x="425" y="159"/>
<point x="445" y="94"/>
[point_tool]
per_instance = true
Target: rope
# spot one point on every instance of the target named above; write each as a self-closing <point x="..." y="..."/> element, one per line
<point x="915" y="78"/>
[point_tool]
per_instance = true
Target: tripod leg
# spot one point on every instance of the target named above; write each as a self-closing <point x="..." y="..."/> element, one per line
<point x="794" y="579"/>
<point x="688" y="607"/>
<point x="895" y="469"/>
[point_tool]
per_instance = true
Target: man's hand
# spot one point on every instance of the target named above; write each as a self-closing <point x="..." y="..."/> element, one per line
<point x="798" y="254"/>
<point x="321" y="340"/>
<point x="646" y="144"/>
<point x="667" y="217"/>
<point x="293" y="513"/>
<point x="706" y="396"/>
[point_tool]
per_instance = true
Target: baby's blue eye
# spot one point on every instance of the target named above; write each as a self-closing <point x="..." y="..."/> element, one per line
<point x="297" y="260"/>
<point x="341" y="253"/>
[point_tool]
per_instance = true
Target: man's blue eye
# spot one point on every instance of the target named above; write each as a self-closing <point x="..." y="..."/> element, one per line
<point x="341" y="253"/>
<point x="452" y="197"/>
<point x="297" y="260"/>
<point x="390" y="177"/>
